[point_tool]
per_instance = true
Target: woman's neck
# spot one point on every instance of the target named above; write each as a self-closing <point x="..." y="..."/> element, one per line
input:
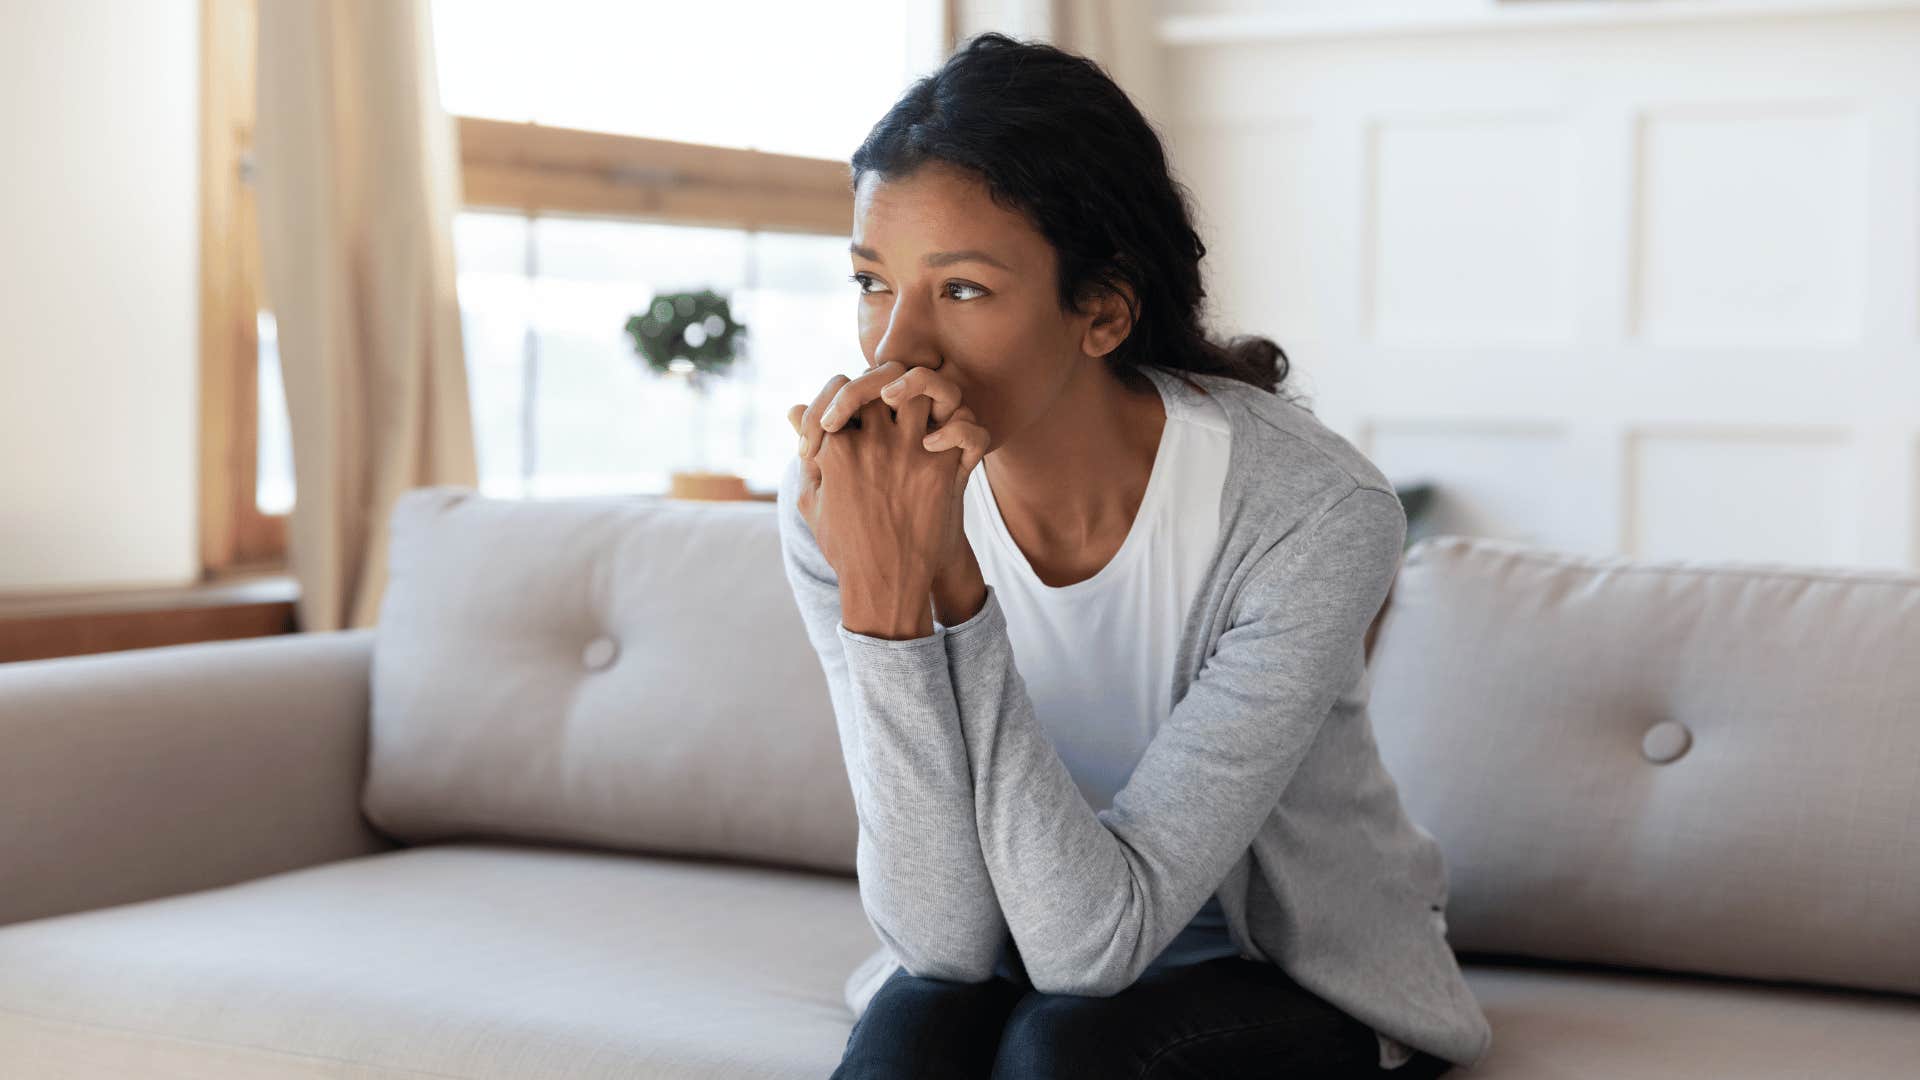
<point x="1069" y="487"/>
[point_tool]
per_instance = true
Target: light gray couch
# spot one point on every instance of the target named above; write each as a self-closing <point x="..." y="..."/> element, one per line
<point x="577" y="809"/>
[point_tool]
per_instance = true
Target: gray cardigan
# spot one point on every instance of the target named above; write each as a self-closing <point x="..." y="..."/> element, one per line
<point x="1262" y="787"/>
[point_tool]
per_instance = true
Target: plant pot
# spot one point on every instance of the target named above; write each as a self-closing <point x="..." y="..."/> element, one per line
<point x="708" y="485"/>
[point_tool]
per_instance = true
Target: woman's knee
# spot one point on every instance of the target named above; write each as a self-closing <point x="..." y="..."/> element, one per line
<point x="911" y="999"/>
<point x="1049" y="1036"/>
<point x="916" y="1027"/>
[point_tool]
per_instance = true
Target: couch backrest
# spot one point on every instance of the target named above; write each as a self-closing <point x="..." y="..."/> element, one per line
<point x="628" y="673"/>
<point x="1702" y="767"/>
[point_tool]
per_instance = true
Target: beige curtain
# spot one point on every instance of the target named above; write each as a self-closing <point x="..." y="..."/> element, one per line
<point x="1117" y="34"/>
<point x="357" y="181"/>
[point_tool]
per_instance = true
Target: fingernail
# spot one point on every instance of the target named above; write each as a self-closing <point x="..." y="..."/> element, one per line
<point x="803" y="446"/>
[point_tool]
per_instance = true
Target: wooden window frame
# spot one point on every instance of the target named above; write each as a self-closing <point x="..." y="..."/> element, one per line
<point x="535" y="169"/>
<point x="524" y="168"/>
<point x="235" y="536"/>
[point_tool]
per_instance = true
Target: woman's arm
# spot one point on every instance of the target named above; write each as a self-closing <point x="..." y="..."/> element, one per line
<point x="922" y="879"/>
<point x="1093" y="898"/>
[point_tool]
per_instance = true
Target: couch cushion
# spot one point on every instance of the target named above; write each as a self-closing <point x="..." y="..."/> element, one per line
<point x="1525" y="702"/>
<point x="495" y="960"/>
<point x="1592" y="1024"/>
<point x="464" y="960"/>
<point x="623" y="672"/>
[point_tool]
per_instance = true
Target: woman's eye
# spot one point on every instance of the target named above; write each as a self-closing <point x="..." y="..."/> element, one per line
<point x="862" y="279"/>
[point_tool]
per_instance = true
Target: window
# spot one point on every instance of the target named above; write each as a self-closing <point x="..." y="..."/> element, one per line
<point x="562" y="404"/>
<point x="609" y="151"/>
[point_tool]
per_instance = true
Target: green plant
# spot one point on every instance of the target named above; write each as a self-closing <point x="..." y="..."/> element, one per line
<point x="691" y="334"/>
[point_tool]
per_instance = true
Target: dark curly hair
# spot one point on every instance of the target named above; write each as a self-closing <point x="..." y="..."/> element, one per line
<point x="1056" y="140"/>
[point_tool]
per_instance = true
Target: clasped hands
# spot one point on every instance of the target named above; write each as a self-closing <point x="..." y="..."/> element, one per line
<point x="885" y="458"/>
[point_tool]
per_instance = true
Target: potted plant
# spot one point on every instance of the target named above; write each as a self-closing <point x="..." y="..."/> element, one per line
<point x="692" y="336"/>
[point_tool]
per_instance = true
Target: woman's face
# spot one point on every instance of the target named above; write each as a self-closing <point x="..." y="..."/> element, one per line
<point x="950" y="280"/>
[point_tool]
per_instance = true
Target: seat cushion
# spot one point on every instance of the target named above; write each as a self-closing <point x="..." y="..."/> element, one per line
<point x="1564" y="1022"/>
<point x="496" y="960"/>
<point x="458" y="960"/>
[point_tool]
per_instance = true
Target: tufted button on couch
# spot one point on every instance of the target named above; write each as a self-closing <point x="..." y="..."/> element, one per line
<point x="577" y="808"/>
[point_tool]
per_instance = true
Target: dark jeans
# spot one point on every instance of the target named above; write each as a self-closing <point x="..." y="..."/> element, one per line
<point x="1229" y="1017"/>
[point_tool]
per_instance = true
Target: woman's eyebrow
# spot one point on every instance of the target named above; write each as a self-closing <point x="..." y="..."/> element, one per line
<point x="938" y="258"/>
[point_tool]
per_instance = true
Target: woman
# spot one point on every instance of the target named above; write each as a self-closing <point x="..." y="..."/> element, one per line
<point x="1163" y="844"/>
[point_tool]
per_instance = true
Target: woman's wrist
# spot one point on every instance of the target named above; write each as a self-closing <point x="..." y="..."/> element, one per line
<point x="884" y="611"/>
<point x="959" y="590"/>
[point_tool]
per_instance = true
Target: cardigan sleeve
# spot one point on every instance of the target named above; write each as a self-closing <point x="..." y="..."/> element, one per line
<point x="1092" y="898"/>
<point x="923" y="883"/>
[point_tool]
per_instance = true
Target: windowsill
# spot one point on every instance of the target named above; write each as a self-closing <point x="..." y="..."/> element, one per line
<point x="260" y="587"/>
<point x="46" y="625"/>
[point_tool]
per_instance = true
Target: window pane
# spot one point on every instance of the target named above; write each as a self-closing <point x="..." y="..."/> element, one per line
<point x="496" y="300"/>
<point x="273" y="467"/>
<point x="600" y="419"/>
<point x="808" y="78"/>
<point x="804" y="312"/>
<point x="606" y="421"/>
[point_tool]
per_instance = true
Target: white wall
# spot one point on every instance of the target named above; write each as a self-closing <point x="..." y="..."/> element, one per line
<point x="99" y="288"/>
<point x="1635" y="279"/>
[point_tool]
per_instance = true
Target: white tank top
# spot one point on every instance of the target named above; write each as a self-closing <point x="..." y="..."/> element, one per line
<point x="1100" y="696"/>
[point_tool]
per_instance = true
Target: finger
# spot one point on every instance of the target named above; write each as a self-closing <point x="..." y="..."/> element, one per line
<point x="949" y="433"/>
<point x="974" y="444"/>
<point x="810" y="430"/>
<point x="795" y="415"/>
<point x="912" y="417"/>
<point x="855" y="393"/>
<point x="971" y="438"/>
<point x="963" y="413"/>
<point x="924" y="380"/>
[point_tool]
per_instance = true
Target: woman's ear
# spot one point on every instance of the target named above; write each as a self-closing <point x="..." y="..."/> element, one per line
<point x="1112" y="320"/>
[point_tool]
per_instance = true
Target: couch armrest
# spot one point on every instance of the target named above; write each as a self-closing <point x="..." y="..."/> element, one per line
<point x="138" y="774"/>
